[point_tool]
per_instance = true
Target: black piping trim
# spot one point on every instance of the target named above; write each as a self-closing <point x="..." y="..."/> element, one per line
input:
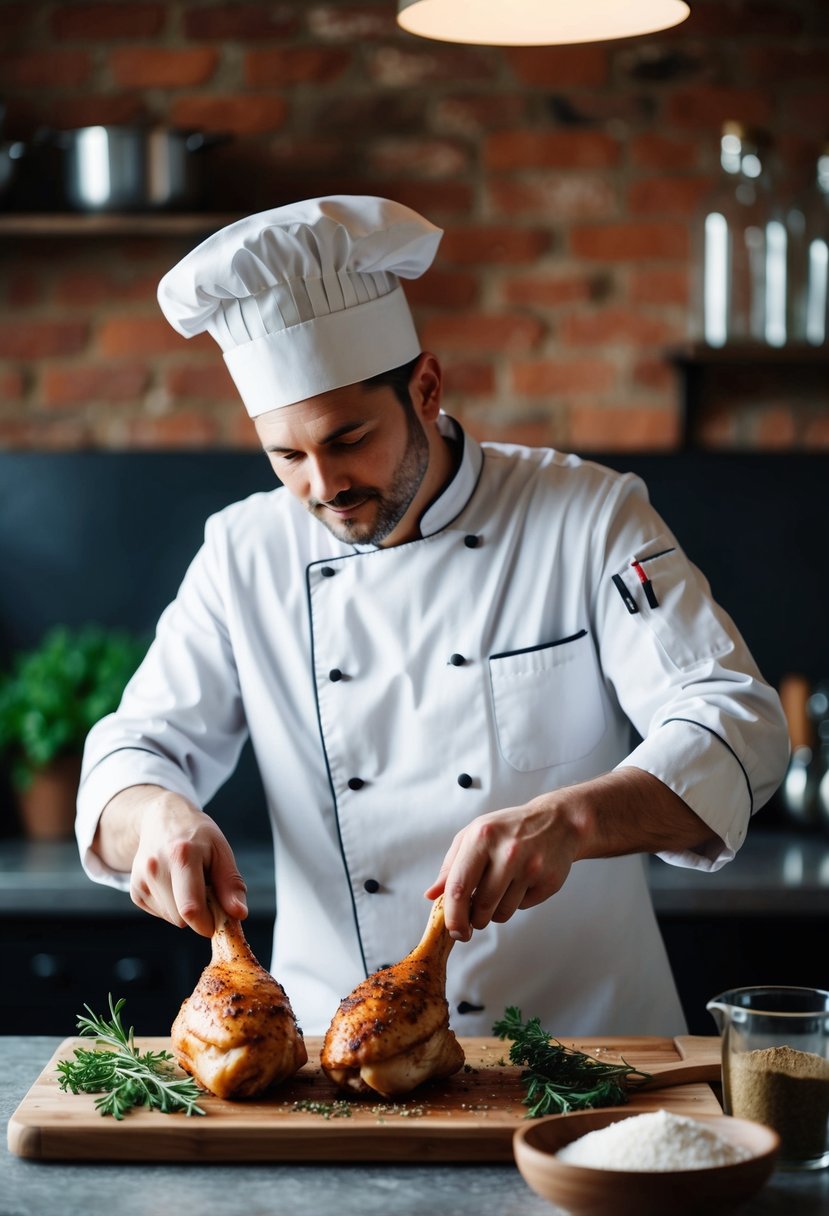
<point x="458" y="440"/>
<point x="308" y="570"/>
<point x="651" y="556"/>
<point x="449" y="523"/>
<point x="347" y="557"/>
<point x="574" y="637"/>
<point x="474" y="489"/>
<point x="372" y="551"/>
<point x="149" y="750"/>
<point x="472" y="492"/>
<point x="725" y="744"/>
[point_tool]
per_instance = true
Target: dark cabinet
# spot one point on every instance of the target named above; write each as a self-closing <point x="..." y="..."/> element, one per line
<point x="57" y="964"/>
<point x="710" y="954"/>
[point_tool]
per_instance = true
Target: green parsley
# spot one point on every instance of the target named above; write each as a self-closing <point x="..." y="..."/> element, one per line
<point x="559" y="1079"/>
<point x="124" y="1076"/>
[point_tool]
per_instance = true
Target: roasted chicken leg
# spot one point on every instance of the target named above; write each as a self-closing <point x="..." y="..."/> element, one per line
<point x="237" y="1034"/>
<point x="392" y="1033"/>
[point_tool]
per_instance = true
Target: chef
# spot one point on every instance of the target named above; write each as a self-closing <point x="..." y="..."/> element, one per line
<point x="437" y="648"/>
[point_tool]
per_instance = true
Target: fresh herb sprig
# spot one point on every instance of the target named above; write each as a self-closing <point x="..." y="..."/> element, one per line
<point x="559" y="1079"/>
<point x="125" y="1076"/>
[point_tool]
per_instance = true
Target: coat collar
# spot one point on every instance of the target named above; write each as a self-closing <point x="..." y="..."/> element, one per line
<point x="442" y="510"/>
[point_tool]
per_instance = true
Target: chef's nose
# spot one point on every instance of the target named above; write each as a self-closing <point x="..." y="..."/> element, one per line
<point x="327" y="479"/>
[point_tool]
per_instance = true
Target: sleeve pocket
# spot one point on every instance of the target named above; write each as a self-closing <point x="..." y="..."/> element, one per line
<point x="547" y="702"/>
<point x="683" y="618"/>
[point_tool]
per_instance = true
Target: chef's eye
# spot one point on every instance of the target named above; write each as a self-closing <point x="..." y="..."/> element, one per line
<point x="350" y="443"/>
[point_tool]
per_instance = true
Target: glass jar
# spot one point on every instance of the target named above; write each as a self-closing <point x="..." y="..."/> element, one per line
<point x="775" y="1066"/>
<point x="815" y="270"/>
<point x="740" y="249"/>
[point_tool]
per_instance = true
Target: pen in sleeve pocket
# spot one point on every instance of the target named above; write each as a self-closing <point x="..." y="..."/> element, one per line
<point x="647" y="585"/>
<point x="629" y="601"/>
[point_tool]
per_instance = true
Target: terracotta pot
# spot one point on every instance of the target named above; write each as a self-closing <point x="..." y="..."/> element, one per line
<point x="47" y="805"/>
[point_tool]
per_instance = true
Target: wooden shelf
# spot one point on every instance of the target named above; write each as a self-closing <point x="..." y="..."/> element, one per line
<point x="700" y="354"/>
<point x="698" y="365"/>
<point x="48" y="224"/>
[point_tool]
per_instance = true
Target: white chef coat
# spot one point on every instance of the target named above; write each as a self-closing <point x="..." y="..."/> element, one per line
<point x="394" y="694"/>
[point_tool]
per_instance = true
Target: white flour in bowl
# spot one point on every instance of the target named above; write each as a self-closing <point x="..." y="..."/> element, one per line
<point x="654" y="1142"/>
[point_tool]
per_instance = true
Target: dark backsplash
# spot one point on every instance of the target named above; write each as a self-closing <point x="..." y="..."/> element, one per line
<point x="106" y="537"/>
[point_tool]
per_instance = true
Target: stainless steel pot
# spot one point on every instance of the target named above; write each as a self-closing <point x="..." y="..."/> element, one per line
<point x="133" y="168"/>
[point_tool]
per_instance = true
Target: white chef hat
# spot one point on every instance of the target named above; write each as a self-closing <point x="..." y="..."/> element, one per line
<point x="305" y="298"/>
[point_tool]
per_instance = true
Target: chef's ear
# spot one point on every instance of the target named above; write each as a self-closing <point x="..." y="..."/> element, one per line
<point x="426" y="386"/>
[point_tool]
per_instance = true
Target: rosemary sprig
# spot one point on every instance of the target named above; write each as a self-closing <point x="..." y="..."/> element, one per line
<point x="559" y="1079"/>
<point x="124" y="1076"/>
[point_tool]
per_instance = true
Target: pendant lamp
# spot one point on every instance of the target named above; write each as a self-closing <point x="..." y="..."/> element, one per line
<point x="537" y="22"/>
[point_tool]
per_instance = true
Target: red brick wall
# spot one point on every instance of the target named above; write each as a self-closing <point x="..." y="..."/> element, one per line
<point x="566" y="179"/>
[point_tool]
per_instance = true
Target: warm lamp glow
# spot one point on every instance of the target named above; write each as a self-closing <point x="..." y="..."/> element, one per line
<point x="537" y="22"/>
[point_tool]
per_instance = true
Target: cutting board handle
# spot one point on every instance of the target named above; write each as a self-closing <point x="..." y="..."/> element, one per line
<point x="701" y="1061"/>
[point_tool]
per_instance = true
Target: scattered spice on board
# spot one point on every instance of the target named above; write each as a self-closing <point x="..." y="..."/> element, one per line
<point x="786" y="1089"/>
<point x="338" y="1109"/>
<point x="382" y="1109"/>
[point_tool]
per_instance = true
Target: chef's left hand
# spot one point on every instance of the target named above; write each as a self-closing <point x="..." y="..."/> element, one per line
<point x="518" y="857"/>
<point x="503" y="861"/>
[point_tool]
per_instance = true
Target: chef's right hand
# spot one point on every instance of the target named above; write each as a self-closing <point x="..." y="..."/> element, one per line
<point x="173" y="851"/>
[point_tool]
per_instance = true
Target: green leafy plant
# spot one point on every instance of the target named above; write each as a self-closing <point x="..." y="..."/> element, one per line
<point x="559" y="1079"/>
<point x="125" y="1076"/>
<point x="55" y="693"/>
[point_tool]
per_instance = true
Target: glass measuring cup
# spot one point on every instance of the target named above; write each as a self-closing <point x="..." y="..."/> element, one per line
<point x="775" y="1066"/>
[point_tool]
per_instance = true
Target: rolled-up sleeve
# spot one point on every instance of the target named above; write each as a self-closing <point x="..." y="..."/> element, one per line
<point x="712" y="728"/>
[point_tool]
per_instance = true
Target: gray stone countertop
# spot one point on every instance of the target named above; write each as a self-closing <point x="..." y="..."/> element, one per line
<point x="775" y="872"/>
<point x="38" y="877"/>
<point x="39" y="1188"/>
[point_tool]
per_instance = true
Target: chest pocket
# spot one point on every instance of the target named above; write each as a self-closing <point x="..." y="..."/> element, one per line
<point x="547" y="702"/>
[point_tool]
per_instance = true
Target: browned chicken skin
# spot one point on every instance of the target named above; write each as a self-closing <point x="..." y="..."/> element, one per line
<point x="237" y="1034"/>
<point x="392" y="1033"/>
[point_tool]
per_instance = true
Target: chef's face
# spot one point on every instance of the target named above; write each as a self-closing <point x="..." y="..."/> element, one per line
<point x="361" y="462"/>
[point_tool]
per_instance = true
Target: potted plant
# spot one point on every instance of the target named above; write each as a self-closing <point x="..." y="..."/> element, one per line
<point x="49" y="701"/>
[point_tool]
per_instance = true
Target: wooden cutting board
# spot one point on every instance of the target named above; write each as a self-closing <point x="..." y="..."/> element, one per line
<point x="470" y="1117"/>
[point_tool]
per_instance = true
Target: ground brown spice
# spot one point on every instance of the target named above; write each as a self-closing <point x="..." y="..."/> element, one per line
<point x="787" y="1090"/>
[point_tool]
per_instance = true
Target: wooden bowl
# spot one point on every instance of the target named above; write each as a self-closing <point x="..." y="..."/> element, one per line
<point x="597" y="1192"/>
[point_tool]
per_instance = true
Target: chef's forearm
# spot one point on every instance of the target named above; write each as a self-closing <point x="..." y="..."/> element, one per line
<point x="631" y="811"/>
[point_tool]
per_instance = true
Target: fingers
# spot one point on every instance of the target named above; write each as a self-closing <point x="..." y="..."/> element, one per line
<point x="189" y="891"/>
<point x="228" y="885"/>
<point x="177" y="858"/>
<point x="465" y="871"/>
<point x="501" y="862"/>
<point x="438" y="886"/>
<point x="191" y="874"/>
<point x="160" y="902"/>
<point x="497" y="897"/>
<point x="514" y="897"/>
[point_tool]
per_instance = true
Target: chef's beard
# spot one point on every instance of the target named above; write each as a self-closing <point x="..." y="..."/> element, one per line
<point x="390" y="505"/>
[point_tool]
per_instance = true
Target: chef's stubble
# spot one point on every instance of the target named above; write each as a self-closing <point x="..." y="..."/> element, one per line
<point x="390" y="504"/>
